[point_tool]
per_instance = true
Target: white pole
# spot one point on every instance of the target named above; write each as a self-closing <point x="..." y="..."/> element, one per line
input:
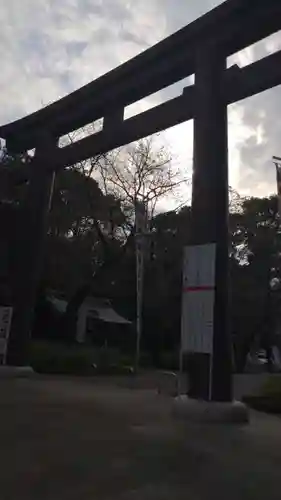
<point x="180" y="369"/>
<point x="139" y="272"/>
<point x="140" y="215"/>
<point x="277" y="163"/>
<point x="211" y="376"/>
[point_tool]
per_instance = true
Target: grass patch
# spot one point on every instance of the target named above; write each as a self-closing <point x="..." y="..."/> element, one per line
<point x="269" y="398"/>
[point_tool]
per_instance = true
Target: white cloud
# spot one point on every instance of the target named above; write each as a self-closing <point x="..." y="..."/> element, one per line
<point x="49" y="48"/>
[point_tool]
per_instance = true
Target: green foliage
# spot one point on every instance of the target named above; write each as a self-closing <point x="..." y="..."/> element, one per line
<point x="269" y="398"/>
<point x="90" y="249"/>
<point x="46" y="357"/>
<point x="252" y="253"/>
<point x="272" y="387"/>
<point x="74" y="359"/>
<point x="76" y="237"/>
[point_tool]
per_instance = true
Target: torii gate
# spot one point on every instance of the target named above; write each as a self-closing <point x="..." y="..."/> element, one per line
<point x="201" y="48"/>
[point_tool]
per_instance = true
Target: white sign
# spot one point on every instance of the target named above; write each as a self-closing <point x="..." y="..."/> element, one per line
<point x="5" y="326"/>
<point x="198" y="299"/>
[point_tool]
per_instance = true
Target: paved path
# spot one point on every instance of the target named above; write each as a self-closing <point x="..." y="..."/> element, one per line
<point x="64" y="440"/>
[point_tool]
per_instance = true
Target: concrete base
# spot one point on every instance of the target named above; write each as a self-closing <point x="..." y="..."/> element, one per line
<point x="213" y="412"/>
<point x="15" y="371"/>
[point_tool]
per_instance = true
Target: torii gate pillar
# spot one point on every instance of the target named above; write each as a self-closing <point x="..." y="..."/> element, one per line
<point x="210" y="218"/>
<point x="31" y="239"/>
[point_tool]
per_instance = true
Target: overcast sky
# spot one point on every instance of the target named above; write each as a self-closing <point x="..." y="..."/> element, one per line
<point x="51" y="47"/>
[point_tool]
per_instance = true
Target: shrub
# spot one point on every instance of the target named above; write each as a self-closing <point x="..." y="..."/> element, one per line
<point x="272" y="386"/>
<point x="55" y="358"/>
<point x="269" y="398"/>
<point x="47" y="357"/>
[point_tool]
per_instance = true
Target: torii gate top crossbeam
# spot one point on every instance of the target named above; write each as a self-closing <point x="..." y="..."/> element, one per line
<point x="233" y="25"/>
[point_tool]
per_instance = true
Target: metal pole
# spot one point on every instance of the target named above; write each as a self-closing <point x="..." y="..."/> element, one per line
<point x="180" y="374"/>
<point x="210" y="218"/>
<point x="139" y="290"/>
<point x="140" y="214"/>
<point x="275" y="293"/>
<point x="277" y="163"/>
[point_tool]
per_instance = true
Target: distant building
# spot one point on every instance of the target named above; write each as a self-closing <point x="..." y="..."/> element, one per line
<point x="97" y="321"/>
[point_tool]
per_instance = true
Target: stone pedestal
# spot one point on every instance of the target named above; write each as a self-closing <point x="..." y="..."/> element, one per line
<point x="210" y="412"/>
<point x="15" y="372"/>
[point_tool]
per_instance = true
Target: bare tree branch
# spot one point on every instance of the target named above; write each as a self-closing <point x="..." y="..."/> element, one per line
<point x="140" y="172"/>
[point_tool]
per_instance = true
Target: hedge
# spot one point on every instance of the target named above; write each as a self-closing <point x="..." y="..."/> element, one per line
<point x="269" y="398"/>
<point x="54" y="358"/>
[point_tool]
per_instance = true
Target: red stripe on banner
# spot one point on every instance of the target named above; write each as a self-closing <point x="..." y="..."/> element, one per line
<point x="202" y="288"/>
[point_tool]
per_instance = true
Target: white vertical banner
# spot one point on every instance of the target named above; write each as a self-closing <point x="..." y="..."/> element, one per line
<point x="198" y="299"/>
<point x="6" y="314"/>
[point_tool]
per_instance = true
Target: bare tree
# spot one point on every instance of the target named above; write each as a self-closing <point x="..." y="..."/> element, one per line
<point x="140" y="173"/>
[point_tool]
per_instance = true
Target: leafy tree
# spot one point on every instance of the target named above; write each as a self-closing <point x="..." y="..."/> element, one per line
<point x="78" y="220"/>
<point x="140" y="173"/>
<point x="255" y="258"/>
<point x="91" y="244"/>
